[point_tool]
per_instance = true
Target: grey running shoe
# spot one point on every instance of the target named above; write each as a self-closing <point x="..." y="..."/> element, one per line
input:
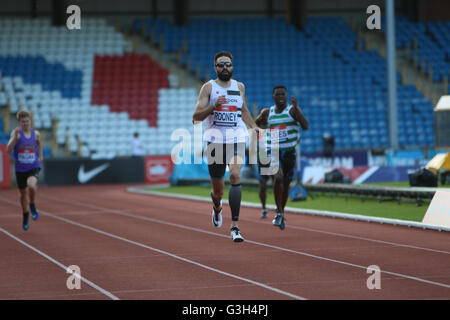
<point x="264" y="214"/>
<point x="279" y="221"/>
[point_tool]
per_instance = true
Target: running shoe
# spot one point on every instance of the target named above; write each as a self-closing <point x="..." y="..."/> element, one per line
<point x="25" y="224"/>
<point x="236" y="235"/>
<point x="34" y="213"/>
<point x="216" y="217"/>
<point x="279" y="221"/>
<point x="283" y="223"/>
<point x="264" y="214"/>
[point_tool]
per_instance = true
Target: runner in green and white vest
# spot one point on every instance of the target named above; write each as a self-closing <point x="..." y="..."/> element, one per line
<point x="283" y="135"/>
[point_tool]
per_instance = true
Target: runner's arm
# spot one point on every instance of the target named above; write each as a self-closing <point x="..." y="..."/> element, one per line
<point x="13" y="140"/>
<point x="202" y="109"/>
<point x="39" y="145"/>
<point x="246" y="116"/>
<point x="297" y="114"/>
<point x="261" y="119"/>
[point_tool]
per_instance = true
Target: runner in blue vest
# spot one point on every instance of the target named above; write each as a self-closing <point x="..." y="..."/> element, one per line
<point x="283" y="133"/>
<point x="26" y="144"/>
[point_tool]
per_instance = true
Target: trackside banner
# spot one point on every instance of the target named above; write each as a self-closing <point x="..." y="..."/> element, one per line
<point x="343" y="159"/>
<point x="75" y="171"/>
<point x="359" y="175"/>
<point x="158" y="169"/>
<point x="5" y="170"/>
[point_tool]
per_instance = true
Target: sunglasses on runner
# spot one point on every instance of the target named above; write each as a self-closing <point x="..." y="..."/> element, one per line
<point x="224" y="64"/>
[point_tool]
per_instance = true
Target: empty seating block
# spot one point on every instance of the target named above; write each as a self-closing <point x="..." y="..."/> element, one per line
<point x="433" y="44"/>
<point x="342" y="91"/>
<point x="35" y="69"/>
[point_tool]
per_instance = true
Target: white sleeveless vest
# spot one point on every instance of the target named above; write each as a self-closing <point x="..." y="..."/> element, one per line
<point x="283" y="128"/>
<point x="224" y="124"/>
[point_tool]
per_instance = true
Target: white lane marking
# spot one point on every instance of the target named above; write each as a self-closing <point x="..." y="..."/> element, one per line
<point x="90" y="283"/>
<point x="174" y="256"/>
<point x="106" y="210"/>
<point x="259" y="284"/>
<point x="260" y="222"/>
<point x="314" y="212"/>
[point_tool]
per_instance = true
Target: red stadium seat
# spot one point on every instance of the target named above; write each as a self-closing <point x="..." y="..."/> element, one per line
<point x="129" y="83"/>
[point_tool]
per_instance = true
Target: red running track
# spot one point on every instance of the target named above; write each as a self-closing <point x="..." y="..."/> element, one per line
<point x="131" y="246"/>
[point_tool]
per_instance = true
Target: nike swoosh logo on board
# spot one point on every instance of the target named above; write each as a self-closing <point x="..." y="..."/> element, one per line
<point x="85" y="176"/>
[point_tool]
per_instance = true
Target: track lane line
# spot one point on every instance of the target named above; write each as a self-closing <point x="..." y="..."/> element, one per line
<point x="59" y="264"/>
<point x="259" y="284"/>
<point x="119" y="212"/>
<point x="301" y="228"/>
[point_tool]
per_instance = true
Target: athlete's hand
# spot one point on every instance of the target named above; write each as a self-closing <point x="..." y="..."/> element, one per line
<point x="221" y="100"/>
<point x="259" y="131"/>
<point x="16" y="133"/>
<point x="294" y="101"/>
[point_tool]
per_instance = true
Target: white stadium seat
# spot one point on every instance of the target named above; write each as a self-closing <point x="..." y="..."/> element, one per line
<point x="94" y="125"/>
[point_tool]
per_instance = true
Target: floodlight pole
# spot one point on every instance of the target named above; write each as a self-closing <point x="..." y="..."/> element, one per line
<point x="391" y="74"/>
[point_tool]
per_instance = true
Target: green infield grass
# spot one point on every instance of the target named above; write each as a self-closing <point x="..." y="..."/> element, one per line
<point x="368" y="206"/>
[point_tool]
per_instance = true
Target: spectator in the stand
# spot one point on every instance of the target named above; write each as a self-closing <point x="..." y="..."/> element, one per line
<point x="137" y="147"/>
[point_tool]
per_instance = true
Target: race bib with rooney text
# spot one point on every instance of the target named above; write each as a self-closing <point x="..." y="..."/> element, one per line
<point x="226" y="116"/>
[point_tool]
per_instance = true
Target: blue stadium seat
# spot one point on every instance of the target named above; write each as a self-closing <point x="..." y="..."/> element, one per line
<point x="322" y="68"/>
<point x="35" y="69"/>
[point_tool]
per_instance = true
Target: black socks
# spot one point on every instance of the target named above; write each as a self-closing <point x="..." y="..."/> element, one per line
<point x="234" y="200"/>
<point x="25" y="217"/>
<point x="216" y="204"/>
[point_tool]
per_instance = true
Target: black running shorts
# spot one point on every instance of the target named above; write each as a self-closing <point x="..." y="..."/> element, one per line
<point x="22" y="177"/>
<point x="217" y="163"/>
<point x="287" y="161"/>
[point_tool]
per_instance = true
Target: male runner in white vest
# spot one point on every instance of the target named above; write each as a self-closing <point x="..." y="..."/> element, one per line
<point x="282" y="121"/>
<point x="221" y="103"/>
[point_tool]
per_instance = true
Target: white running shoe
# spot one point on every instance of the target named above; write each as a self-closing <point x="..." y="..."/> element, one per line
<point x="216" y="218"/>
<point x="236" y="235"/>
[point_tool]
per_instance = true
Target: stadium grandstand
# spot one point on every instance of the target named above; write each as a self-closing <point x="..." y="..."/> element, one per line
<point x="340" y="88"/>
<point x="91" y="89"/>
<point x="124" y="204"/>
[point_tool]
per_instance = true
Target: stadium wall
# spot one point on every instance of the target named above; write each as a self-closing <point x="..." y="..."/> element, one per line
<point x="197" y="7"/>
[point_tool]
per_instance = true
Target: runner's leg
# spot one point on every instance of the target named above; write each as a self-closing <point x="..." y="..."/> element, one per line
<point x="235" y="194"/>
<point x="24" y="199"/>
<point x="278" y="190"/>
<point x="32" y="189"/>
